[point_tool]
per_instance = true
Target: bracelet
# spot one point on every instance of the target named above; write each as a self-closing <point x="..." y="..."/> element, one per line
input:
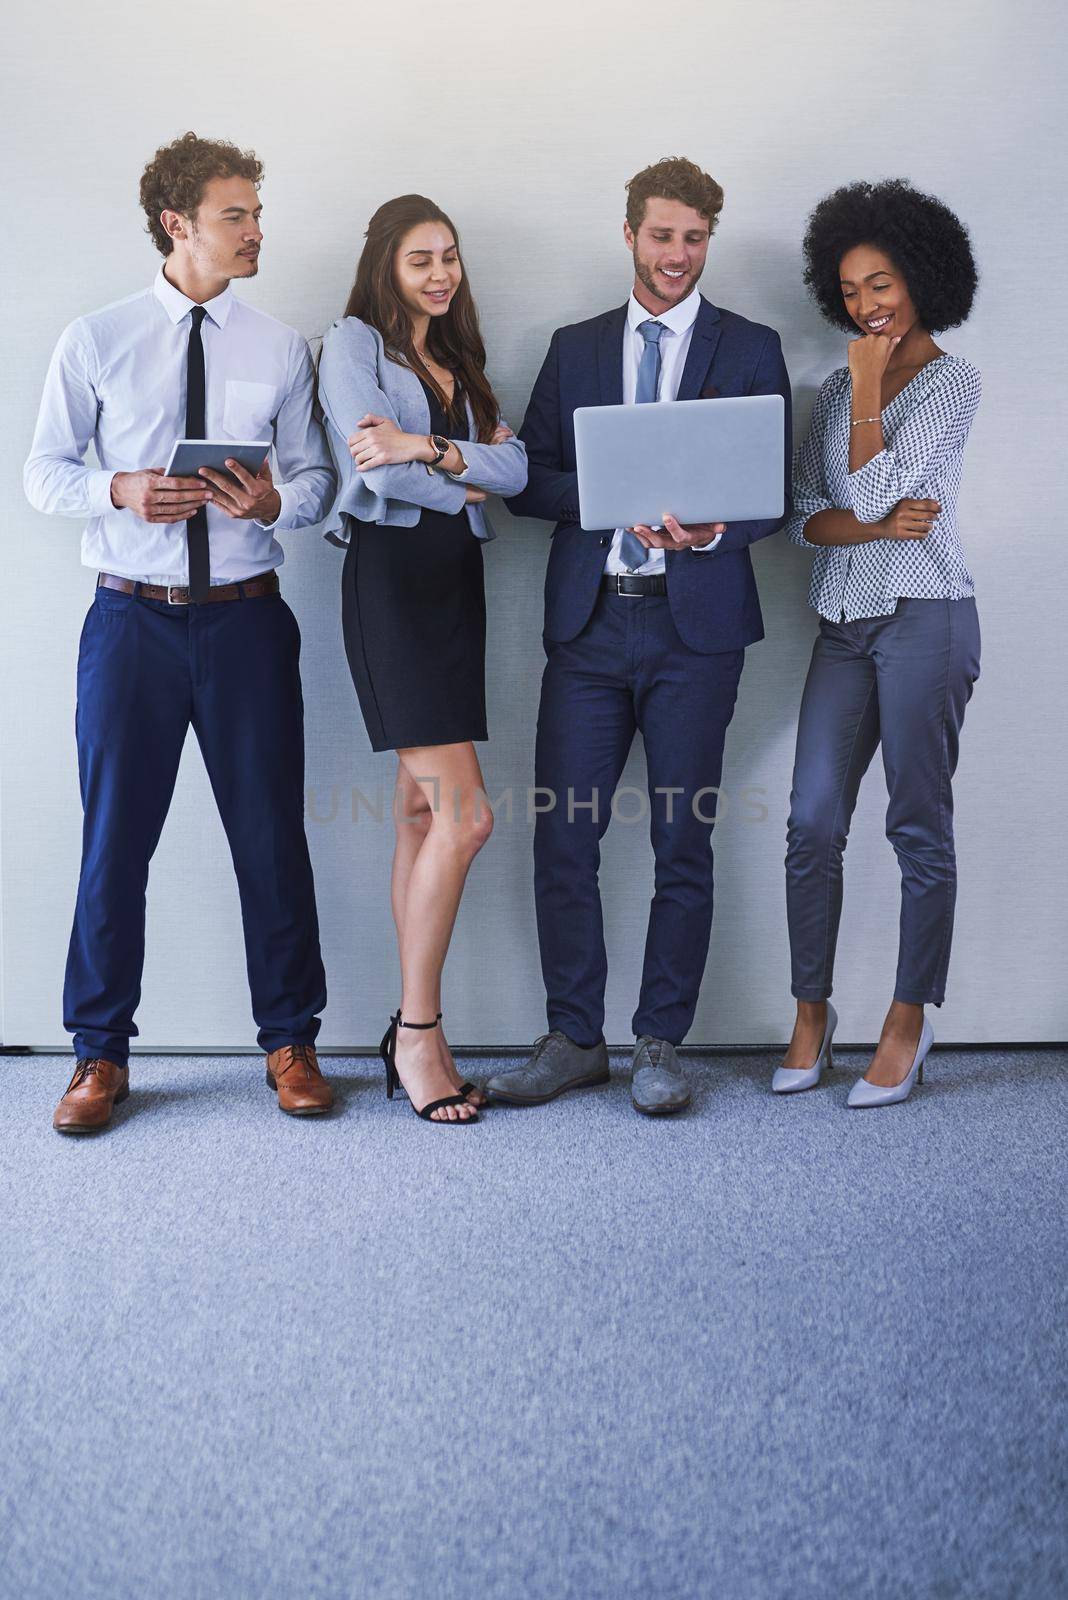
<point x="859" y="420"/>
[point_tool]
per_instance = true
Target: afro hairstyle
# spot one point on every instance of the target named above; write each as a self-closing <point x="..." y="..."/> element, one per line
<point x="928" y="244"/>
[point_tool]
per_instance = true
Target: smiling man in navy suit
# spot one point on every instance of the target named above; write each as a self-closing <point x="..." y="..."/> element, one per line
<point x="645" y="628"/>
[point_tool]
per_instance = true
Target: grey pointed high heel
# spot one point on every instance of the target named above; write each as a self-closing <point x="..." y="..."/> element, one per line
<point x="788" y="1080"/>
<point x="864" y="1093"/>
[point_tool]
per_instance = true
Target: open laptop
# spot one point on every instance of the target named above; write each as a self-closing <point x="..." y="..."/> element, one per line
<point x="701" y="460"/>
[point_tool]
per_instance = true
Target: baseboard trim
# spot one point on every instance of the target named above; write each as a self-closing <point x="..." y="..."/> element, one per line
<point x="496" y="1051"/>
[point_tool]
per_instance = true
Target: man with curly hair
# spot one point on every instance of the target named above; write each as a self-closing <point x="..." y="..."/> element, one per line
<point x="187" y="625"/>
<point x="645" y="628"/>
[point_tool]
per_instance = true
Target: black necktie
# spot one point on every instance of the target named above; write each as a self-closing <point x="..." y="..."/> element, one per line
<point x="197" y="525"/>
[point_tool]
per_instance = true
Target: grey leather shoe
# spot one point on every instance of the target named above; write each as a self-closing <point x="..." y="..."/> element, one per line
<point x="557" y="1064"/>
<point x="657" y="1085"/>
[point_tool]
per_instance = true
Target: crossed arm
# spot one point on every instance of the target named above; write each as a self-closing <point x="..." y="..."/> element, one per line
<point x="883" y="479"/>
<point x="392" y="462"/>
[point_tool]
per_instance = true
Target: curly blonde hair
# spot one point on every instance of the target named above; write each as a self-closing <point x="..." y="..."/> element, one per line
<point x="674" y="178"/>
<point x="179" y="172"/>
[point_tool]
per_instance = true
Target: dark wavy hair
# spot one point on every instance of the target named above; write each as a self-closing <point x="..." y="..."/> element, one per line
<point x="928" y="244"/>
<point x="674" y="178"/>
<point x="454" y="339"/>
<point x="179" y="172"/>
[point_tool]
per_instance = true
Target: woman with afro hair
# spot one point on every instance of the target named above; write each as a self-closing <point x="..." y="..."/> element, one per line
<point x="875" y="491"/>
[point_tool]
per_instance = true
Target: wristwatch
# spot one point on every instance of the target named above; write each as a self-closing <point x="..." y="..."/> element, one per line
<point x="442" y="446"/>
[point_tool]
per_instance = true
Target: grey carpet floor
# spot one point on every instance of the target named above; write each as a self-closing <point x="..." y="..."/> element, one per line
<point x="769" y="1349"/>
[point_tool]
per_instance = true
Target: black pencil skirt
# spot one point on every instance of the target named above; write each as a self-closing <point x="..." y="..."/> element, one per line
<point x="413" y="609"/>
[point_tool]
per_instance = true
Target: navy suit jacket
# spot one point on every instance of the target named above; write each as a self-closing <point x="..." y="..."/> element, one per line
<point x="713" y="596"/>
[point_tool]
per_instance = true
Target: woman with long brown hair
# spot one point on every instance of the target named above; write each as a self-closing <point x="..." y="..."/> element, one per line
<point x="419" y="443"/>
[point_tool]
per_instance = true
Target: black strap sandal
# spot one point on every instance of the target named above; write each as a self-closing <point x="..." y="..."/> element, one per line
<point x="388" y="1052"/>
<point x="465" y="1088"/>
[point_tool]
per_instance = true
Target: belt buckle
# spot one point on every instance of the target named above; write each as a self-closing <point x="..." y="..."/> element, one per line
<point x="171" y="587"/>
<point x="627" y="594"/>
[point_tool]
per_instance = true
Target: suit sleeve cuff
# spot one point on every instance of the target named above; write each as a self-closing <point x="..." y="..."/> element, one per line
<point x="703" y="549"/>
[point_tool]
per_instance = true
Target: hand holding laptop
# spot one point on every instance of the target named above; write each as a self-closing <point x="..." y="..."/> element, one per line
<point x="673" y="536"/>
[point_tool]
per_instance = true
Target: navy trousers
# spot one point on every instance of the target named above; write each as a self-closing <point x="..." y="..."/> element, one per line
<point x="146" y="671"/>
<point x="628" y="669"/>
<point x="901" y="681"/>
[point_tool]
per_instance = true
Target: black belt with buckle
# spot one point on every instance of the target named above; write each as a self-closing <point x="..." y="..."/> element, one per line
<point x="634" y="583"/>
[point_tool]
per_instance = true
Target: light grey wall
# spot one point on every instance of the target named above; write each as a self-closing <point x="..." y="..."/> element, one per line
<point x="524" y="122"/>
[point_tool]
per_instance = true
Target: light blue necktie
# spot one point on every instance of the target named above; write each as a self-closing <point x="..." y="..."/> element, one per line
<point x="631" y="549"/>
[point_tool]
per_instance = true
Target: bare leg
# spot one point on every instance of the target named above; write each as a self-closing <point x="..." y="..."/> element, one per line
<point x="807" y="1035"/>
<point x="896" y="1049"/>
<point x="412" y="816"/>
<point x="450" y="780"/>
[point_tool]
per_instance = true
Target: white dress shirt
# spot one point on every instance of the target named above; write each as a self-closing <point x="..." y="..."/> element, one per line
<point x="674" y="345"/>
<point x="118" y="381"/>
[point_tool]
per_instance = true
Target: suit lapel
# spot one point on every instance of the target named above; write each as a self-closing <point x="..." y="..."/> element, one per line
<point x="703" y="342"/>
<point x="610" y="356"/>
<point x="699" y="357"/>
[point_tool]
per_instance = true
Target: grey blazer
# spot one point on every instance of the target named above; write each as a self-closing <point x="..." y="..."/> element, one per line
<point x="356" y="377"/>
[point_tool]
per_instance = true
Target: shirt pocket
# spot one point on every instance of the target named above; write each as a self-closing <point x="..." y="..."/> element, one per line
<point x="248" y="410"/>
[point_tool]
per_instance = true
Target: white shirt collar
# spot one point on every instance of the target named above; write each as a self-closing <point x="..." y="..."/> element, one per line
<point x="677" y="320"/>
<point x="177" y="305"/>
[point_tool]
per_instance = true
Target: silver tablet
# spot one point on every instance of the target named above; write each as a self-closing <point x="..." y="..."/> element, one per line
<point x="701" y="460"/>
<point x="189" y="455"/>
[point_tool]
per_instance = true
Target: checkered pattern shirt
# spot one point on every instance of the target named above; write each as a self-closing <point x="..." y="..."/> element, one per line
<point x="925" y="429"/>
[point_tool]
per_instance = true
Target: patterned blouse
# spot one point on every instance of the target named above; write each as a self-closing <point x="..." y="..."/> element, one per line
<point x="925" y="429"/>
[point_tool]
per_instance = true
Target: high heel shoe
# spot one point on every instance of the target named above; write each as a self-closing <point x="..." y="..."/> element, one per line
<point x="788" y="1080"/>
<point x="864" y="1093"/>
<point x="388" y="1052"/>
<point x="465" y="1088"/>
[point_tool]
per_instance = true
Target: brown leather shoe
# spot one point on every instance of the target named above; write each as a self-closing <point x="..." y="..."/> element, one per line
<point x="294" y="1072"/>
<point x="95" y="1088"/>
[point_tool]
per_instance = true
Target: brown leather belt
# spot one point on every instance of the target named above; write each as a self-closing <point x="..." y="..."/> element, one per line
<point x="250" y="589"/>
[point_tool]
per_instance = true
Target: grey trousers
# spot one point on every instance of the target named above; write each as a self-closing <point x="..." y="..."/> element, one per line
<point x="901" y="681"/>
